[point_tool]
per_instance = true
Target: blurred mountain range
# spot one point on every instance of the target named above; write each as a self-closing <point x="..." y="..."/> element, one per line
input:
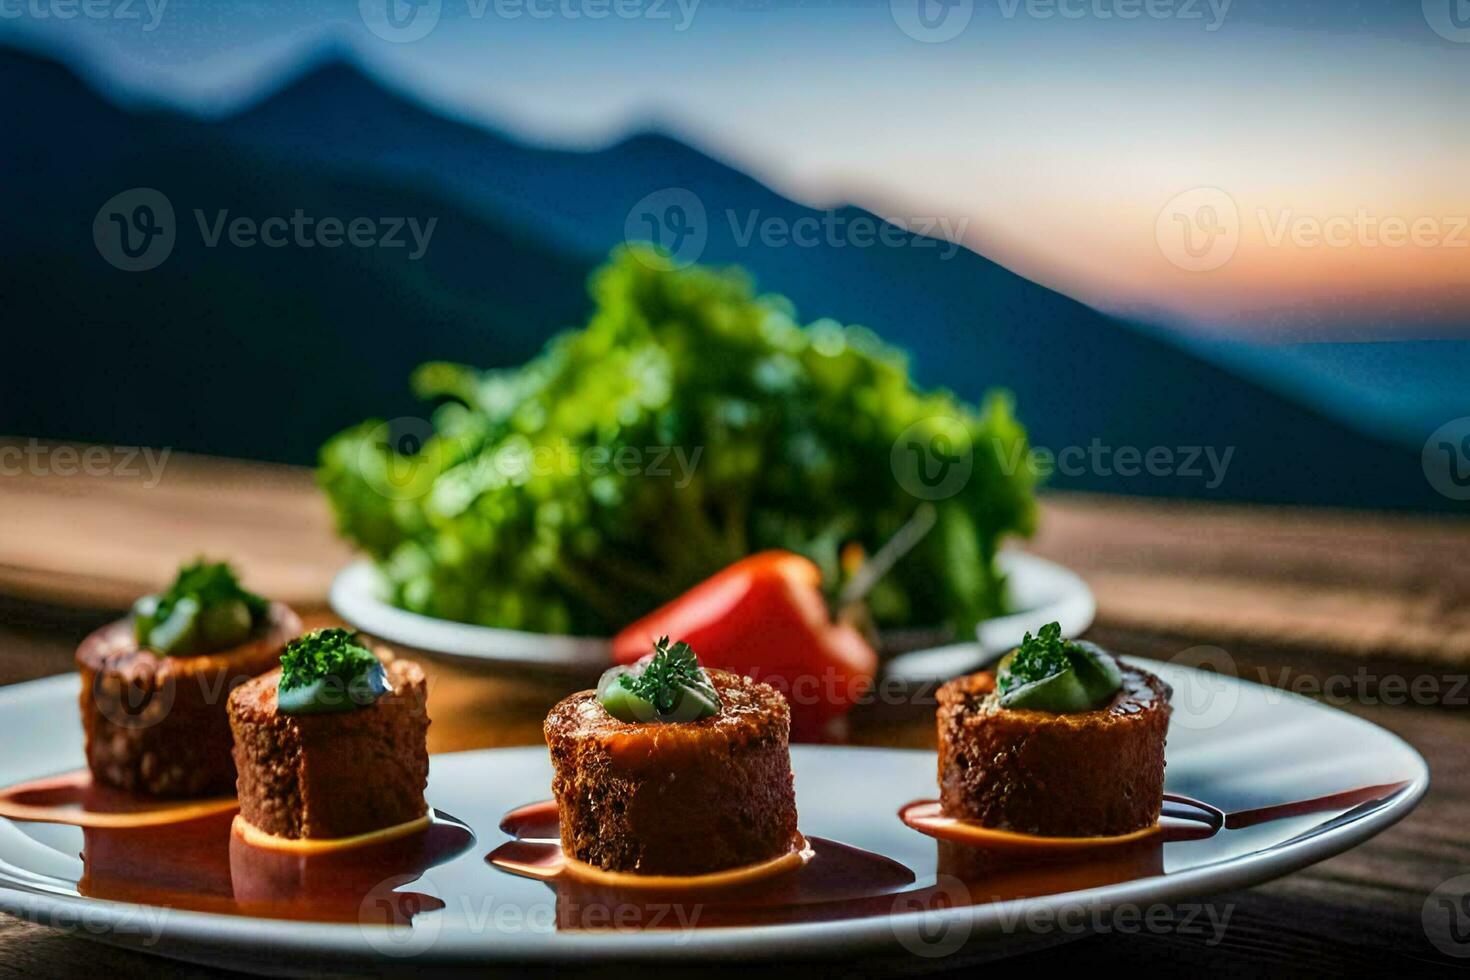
<point x="263" y="352"/>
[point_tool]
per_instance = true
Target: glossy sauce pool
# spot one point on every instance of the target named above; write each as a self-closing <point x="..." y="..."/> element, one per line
<point x="197" y="864"/>
<point x="843" y="882"/>
<point x="184" y="856"/>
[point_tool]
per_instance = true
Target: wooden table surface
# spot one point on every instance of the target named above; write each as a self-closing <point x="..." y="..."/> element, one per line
<point x="1295" y="598"/>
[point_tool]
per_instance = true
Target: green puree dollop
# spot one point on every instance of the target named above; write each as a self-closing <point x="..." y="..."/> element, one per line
<point x="329" y="670"/>
<point x="205" y="610"/>
<point x="670" y="685"/>
<point x="1047" y="673"/>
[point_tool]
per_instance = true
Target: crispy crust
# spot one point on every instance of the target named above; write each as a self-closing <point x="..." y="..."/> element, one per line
<point x="675" y="798"/>
<point x="332" y="775"/>
<point x="1061" y="775"/>
<point x="158" y="725"/>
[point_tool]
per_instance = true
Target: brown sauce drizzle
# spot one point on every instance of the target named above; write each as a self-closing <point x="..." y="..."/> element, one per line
<point x="201" y="866"/>
<point x="73" y="798"/>
<point x="1347" y="798"/>
<point x="163" y="853"/>
<point x="843" y="882"/>
<point x="838" y="882"/>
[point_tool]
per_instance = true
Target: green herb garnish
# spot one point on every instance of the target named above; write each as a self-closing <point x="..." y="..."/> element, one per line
<point x="329" y="670"/>
<point x="203" y="611"/>
<point x="670" y="685"/>
<point x="1047" y="673"/>
<point x="1038" y="657"/>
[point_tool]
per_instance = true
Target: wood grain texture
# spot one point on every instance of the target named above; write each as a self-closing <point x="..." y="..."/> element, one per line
<point x="1295" y="598"/>
<point x="1363" y="585"/>
<point x="100" y="541"/>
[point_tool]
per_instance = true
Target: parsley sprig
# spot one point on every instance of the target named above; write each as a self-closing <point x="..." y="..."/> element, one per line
<point x="668" y="686"/>
<point x="1049" y="673"/>
<point x="203" y="610"/>
<point x="1038" y="657"/>
<point x="325" y="653"/>
<point x="662" y="682"/>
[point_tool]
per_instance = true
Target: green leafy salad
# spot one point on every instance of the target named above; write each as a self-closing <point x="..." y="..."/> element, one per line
<point x="690" y="423"/>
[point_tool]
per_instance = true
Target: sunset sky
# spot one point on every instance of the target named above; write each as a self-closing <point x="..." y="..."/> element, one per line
<point x="1076" y="141"/>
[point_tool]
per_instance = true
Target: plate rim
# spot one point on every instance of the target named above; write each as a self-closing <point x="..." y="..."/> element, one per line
<point x="204" y="936"/>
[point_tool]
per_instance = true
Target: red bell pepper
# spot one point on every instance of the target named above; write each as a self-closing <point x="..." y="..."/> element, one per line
<point x="765" y="617"/>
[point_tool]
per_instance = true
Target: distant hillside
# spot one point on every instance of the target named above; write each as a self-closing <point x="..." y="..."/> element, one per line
<point x="258" y="352"/>
<point x="262" y="352"/>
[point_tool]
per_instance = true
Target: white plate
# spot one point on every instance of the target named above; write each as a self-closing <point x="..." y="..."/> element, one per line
<point x="1235" y="744"/>
<point x="1042" y="592"/>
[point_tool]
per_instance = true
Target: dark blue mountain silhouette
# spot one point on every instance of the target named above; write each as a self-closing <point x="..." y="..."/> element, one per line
<point x="264" y="352"/>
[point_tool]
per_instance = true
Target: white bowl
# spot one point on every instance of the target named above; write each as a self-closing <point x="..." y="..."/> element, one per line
<point x="1041" y="591"/>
